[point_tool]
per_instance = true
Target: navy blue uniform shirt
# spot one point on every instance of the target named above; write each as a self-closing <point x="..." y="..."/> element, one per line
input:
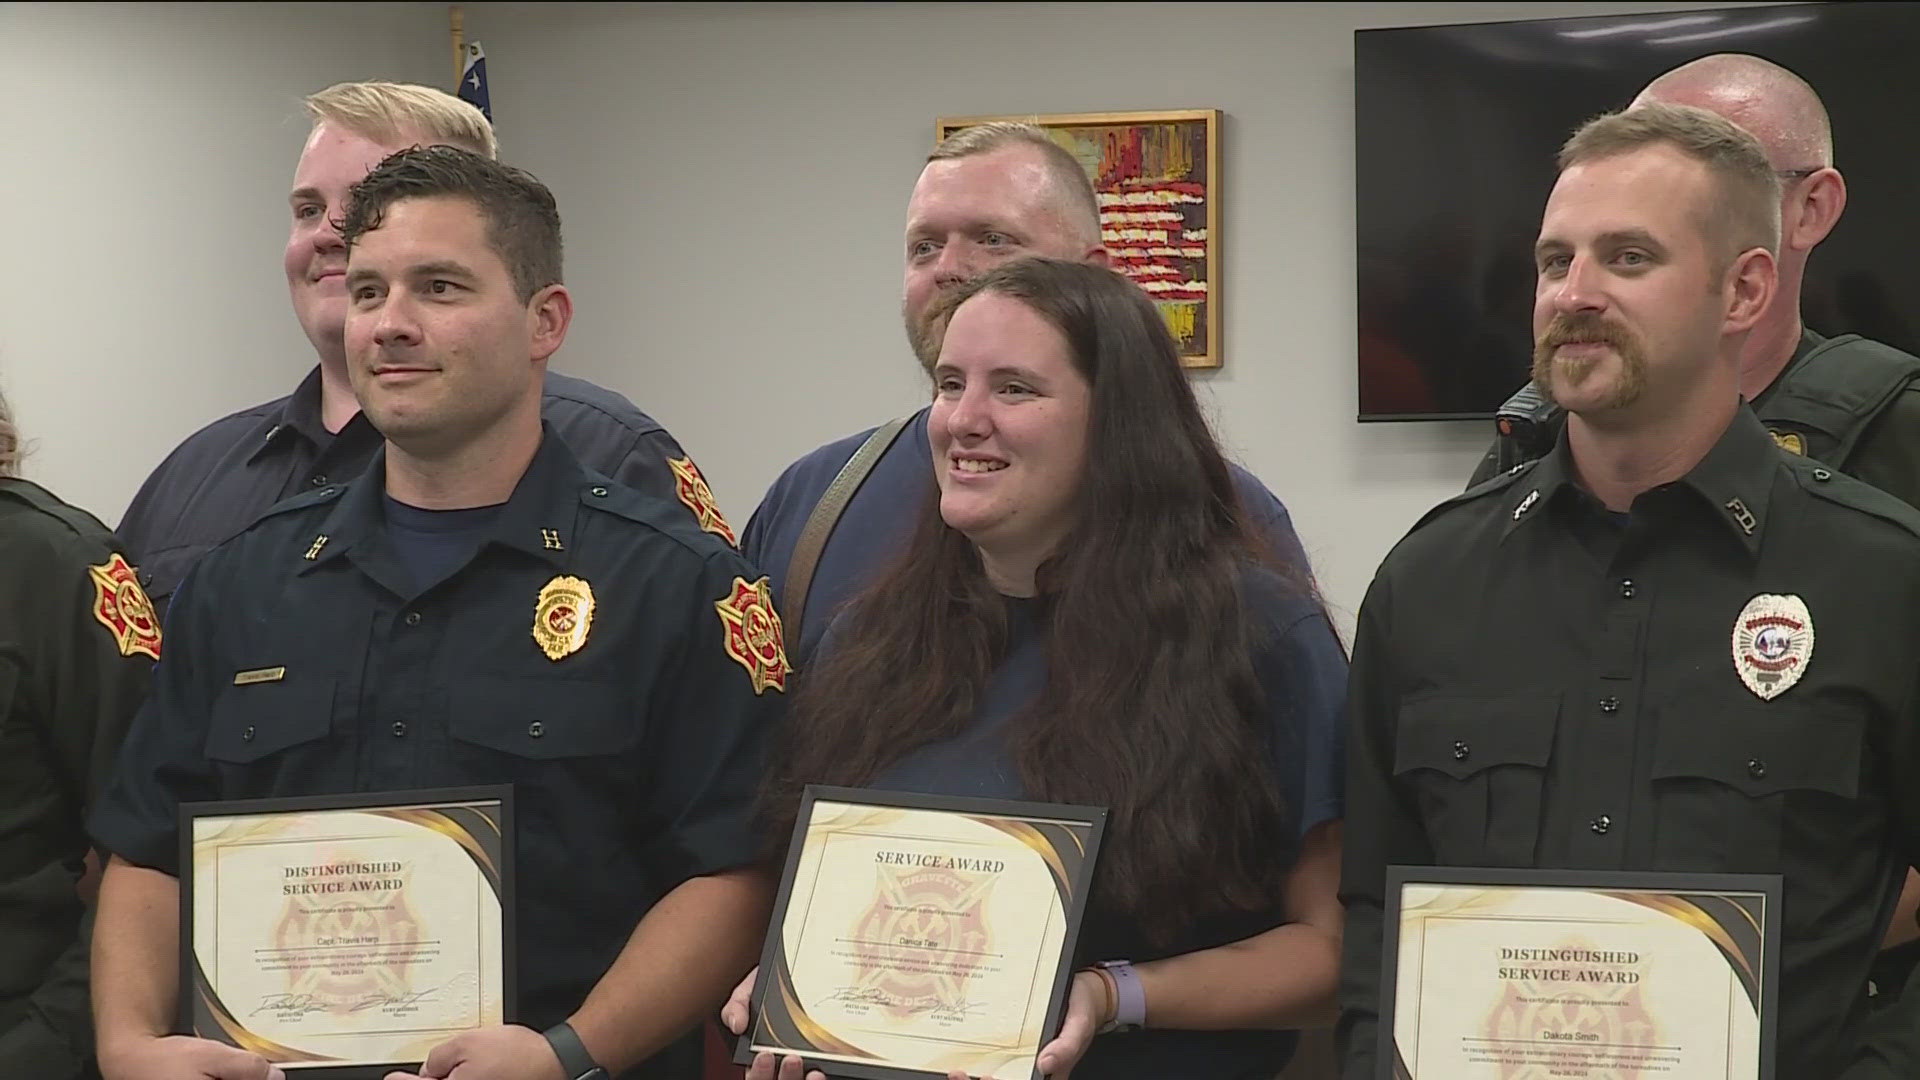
<point x="879" y="521"/>
<point x="1303" y="673"/>
<point x="635" y="759"/>
<point x="224" y="476"/>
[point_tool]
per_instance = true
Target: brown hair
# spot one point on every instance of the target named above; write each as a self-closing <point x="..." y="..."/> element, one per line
<point x="9" y="441"/>
<point x="1746" y="213"/>
<point x="1151" y="704"/>
<point x="523" y="222"/>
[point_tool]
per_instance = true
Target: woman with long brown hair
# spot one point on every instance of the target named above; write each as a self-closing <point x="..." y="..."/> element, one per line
<point x="1084" y="617"/>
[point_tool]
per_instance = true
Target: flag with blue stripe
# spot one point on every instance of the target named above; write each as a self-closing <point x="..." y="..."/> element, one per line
<point x="473" y="81"/>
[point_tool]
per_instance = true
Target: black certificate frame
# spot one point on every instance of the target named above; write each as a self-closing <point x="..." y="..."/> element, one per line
<point x="193" y="1002"/>
<point x="1769" y="887"/>
<point x="1073" y="880"/>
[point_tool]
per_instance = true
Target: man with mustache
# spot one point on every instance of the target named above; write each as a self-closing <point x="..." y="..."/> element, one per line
<point x="1851" y="403"/>
<point x="988" y="194"/>
<point x="226" y="475"/>
<point x="1548" y="670"/>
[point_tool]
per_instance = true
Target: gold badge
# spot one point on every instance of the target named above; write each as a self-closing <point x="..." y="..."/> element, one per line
<point x="122" y="607"/>
<point x="754" y="637"/>
<point x="563" y="616"/>
<point x="1772" y="644"/>
<point x="1790" y="441"/>
<point x="694" y="492"/>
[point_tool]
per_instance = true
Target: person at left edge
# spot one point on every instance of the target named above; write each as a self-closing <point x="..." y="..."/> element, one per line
<point x="409" y="610"/>
<point x="77" y="643"/>
<point x="228" y="473"/>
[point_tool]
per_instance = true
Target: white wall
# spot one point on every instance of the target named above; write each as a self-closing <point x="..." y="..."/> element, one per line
<point x="733" y="177"/>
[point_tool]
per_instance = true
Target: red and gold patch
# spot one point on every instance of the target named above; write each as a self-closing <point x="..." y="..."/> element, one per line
<point x="122" y="607"/>
<point x="693" y="491"/>
<point x="754" y="637"/>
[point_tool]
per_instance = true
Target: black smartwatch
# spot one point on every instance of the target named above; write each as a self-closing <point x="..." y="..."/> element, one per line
<point x="574" y="1059"/>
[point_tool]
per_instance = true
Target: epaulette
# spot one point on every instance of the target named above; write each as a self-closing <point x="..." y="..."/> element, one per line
<point x="1490" y="486"/>
<point x="300" y="502"/>
<point x="665" y="517"/>
<point x="30" y="494"/>
<point x="1825" y="483"/>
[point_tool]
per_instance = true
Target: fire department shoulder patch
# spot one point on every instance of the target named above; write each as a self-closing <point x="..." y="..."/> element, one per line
<point x="1772" y="643"/>
<point x="694" y="492"/>
<point x="753" y="634"/>
<point x="121" y="605"/>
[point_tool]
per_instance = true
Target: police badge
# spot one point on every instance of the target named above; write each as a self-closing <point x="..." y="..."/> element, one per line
<point x="1772" y="644"/>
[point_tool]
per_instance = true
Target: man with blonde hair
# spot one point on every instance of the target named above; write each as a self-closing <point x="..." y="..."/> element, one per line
<point x="224" y="476"/>
<point x="1549" y="670"/>
<point x="988" y="194"/>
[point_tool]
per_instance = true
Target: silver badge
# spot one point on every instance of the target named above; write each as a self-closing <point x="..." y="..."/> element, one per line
<point x="1772" y="644"/>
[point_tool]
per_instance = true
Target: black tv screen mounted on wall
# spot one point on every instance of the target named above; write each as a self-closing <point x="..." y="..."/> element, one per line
<point x="1455" y="133"/>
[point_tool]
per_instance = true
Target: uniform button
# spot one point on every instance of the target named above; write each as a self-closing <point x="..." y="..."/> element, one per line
<point x="1757" y="769"/>
<point x="1609" y="704"/>
<point x="413" y="618"/>
<point x="1601" y="824"/>
<point x="319" y="480"/>
<point x="599" y="493"/>
<point x="1822" y="475"/>
<point x="247" y="735"/>
<point x="536" y="729"/>
<point x="1461" y="751"/>
<point x="399" y="728"/>
<point x="1626" y="588"/>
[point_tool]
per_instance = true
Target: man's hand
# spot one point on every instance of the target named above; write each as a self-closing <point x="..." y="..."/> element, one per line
<point x="739" y="1007"/>
<point x="507" y="1052"/>
<point x="182" y="1057"/>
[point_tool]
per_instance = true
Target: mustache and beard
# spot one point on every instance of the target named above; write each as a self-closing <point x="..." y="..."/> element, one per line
<point x="1589" y="329"/>
<point x="924" y="333"/>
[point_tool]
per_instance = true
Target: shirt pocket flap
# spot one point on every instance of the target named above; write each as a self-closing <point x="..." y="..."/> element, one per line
<point x="1760" y="747"/>
<point x="542" y="718"/>
<point x="253" y="721"/>
<point x="1459" y="735"/>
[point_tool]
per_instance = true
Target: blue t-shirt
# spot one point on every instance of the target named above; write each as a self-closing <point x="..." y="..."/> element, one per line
<point x="432" y="544"/>
<point x="1302" y="672"/>
<point x="879" y="521"/>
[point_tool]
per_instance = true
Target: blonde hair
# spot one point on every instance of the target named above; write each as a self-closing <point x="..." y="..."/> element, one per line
<point x="1079" y="207"/>
<point x="1746" y="211"/>
<point x="393" y="113"/>
<point x="9" y="441"/>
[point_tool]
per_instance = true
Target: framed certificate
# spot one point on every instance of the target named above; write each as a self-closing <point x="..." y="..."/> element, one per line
<point x="344" y="935"/>
<point x="1588" y="975"/>
<point x="916" y="934"/>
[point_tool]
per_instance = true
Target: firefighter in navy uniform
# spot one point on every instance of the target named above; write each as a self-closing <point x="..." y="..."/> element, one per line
<point x="77" y="643"/>
<point x="478" y="608"/>
<point x="1560" y="668"/>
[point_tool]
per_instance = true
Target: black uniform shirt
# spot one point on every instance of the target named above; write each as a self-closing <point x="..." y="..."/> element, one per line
<point x="228" y="473"/>
<point x="76" y="640"/>
<point x="635" y="759"/>
<point x="1536" y="685"/>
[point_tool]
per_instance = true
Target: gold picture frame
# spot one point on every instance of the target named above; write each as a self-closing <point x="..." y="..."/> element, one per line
<point x="1151" y="171"/>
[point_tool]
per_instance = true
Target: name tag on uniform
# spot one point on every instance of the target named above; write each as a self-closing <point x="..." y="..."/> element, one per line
<point x="258" y="675"/>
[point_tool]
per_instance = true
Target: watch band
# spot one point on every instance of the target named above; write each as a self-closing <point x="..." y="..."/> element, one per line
<point x="1129" y="997"/>
<point x="574" y="1059"/>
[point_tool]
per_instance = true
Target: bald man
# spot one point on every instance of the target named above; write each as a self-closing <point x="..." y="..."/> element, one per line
<point x="1849" y="402"/>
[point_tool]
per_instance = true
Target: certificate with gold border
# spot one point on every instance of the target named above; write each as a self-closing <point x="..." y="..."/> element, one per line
<point x="1584" y="975"/>
<point x="916" y="934"/>
<point x="343" y="936"/>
